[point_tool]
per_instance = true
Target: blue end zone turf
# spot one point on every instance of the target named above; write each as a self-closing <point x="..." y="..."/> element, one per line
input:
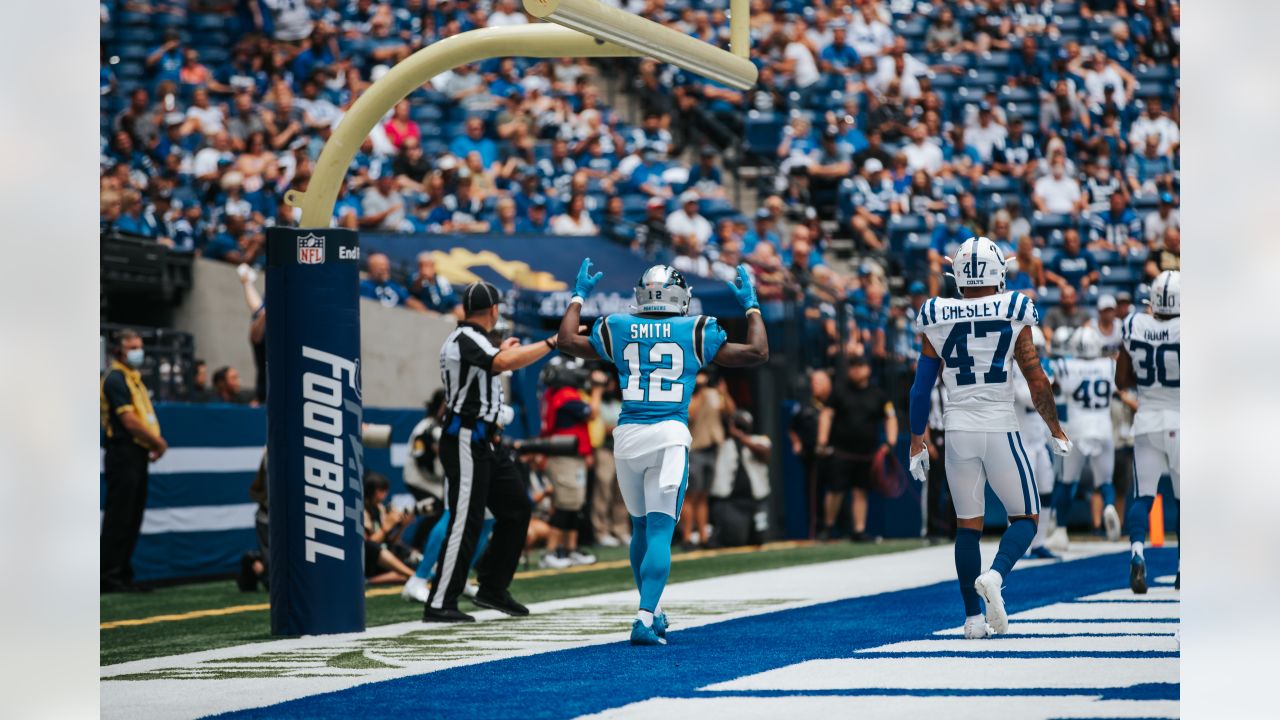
<point x="586" y="680"/>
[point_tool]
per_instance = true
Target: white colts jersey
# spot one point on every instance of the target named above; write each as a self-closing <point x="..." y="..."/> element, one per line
<point x="975" y="339"/>
<point x="1111" y="340"/>
<point x="1153" y="348"/>
<point x="1030" y="424"/>
<point x="1087" y="386"/>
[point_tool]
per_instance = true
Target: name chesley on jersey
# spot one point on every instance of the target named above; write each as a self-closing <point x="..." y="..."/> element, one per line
<point x="975" y="339"/>
<point x="658" y="359"/>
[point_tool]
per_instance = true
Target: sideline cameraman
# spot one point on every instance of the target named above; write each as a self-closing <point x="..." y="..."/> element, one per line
<point x="567" y="412"/>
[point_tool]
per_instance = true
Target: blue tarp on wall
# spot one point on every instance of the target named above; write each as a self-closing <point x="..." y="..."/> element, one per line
<point x="199" y="516"/>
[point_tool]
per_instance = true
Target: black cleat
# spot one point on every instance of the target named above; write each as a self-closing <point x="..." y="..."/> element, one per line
<point x="1177" y="581"/>
<point x="447" y="615"/>
<point x="501" y="601"/>
<point x="1138" y="575"/>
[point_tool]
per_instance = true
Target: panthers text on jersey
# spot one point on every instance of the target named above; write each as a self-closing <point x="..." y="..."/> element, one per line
<point x="1087" y="387"/>
<point x="657" y="359"/>
<point x="1153" y="349"/>
<point x="975" y="339"/>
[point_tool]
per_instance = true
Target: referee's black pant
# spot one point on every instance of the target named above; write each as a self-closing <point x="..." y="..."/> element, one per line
<point x="476" y="477"/>
<point x="125" y="470"/>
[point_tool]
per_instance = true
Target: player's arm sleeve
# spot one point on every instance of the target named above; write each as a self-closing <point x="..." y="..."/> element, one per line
<point x="708" y="337"/>
<point x="117" y="393"/>
<point x="922" y="392"/>
<point x="476" y="351"/>
<point x="602" y="338"/>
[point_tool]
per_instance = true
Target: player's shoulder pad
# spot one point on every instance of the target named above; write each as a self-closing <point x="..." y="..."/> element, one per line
<point x="928" y="313"/>
<point x="1022" y="309"/>
<point x="602" y="334"/>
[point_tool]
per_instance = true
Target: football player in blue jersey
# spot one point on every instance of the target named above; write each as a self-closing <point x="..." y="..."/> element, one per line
<point x="657" y="351"/>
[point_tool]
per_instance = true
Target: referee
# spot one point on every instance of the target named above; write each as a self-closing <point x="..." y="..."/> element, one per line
<point x="470" y="366"/>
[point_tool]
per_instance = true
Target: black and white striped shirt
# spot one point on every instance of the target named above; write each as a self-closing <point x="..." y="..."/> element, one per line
<point x="472" y="392"/>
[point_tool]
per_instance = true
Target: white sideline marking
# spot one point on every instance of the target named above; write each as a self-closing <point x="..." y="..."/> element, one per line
<point x="1061" y="643"/>
<point x="1081" y="628"/>
<point x="891" y="708"/>
<point x="1085" y="611"/>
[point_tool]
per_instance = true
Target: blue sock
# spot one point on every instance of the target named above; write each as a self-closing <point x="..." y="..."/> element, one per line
<point x="656" y="568"/>
<point x="1108" y="494"/>
<point x="968" y="567"/>
<point x="431" y="552"/>
<point x="638" y="545"/>
<point x="1063" y="495"/>
<point x="1014" y="545"/>
<point x="1137" y="517"/>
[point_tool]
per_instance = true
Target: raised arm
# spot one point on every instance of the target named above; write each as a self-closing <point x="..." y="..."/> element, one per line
<point x="1028" y="359"/>
<point x="568" y="339"/>
<point x="756" y="350"/>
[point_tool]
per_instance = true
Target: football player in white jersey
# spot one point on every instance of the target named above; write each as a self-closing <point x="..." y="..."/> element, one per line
<point x="971" y="341"/>
<point x="1085" y="380"/>
<point x="1150" y="361"/>
<point x="1035" y="438"/>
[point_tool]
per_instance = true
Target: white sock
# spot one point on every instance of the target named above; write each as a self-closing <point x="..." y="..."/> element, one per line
<point x="1136" y="549"/>
<point x="645" y="617"/>
<point x="657" y="610"/>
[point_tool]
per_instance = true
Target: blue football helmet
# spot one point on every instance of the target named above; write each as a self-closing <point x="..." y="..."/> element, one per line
<point x="663" y="289"/>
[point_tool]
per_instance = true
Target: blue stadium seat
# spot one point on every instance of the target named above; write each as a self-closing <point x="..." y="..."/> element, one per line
<point x="1106" y="257"/>
<point x="421" y="112"/>
<point x="982" y="79"/>
<point x="1120" y="273"/>
<point x="211" y="21"/>
<point x="915" y="26"/>
<point x="434" y="146"/>
<point x="634" y="207"/>
<point x="132" y="52"/>
<point x="214" y="55"/>
<point x="761" y="135"/>
<point x="127" y="18"/>
<point x="1066" y="9"/>
<point x="1049" y="255"/>
<point x="1045" y="223"/>
<point x="997" y="61"/>
<point x="137" y="34"/>
<point x="900" y="228"/>
<point x="169" y="19"/>
<point x="1158" y="73"/>
<point x="132" y="70"/>
<point x="1018" y="94"/>
<point x="1047" y="298"/>
<point x="1070" y="27"/>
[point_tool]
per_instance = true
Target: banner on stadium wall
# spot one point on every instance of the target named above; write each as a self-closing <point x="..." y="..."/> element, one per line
<point x="315" y="455"/>
<point x="542" y="269"/>
<point x="199" y="517"/>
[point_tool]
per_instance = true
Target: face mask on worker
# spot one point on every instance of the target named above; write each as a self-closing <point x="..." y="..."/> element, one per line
<point x="134" y="357"/>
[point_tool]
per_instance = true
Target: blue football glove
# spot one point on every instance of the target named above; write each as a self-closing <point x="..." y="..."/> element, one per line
<point x="743" y="290"/>
<point x="586" y="281"/>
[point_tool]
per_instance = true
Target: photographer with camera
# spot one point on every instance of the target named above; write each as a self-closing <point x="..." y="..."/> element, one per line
<point x="383" y="526"/>
<point x="566" y="412"/>
<point x="709" y="412"/>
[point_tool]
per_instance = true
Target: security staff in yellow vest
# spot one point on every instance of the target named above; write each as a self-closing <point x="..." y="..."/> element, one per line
<point x="132" y="439"/>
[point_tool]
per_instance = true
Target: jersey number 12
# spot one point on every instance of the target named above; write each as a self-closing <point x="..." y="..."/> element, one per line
<point x="663" y="381"/>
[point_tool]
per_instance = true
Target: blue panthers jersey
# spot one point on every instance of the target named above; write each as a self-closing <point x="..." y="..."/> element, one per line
<point x="658" y="359"/>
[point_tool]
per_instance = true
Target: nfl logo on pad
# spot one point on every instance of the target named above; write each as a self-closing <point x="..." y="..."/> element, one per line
<point x="311" y="249"/>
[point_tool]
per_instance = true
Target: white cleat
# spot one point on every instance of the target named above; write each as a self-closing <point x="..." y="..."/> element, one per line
<point x="988" y="587"/>
<point x="976" y="628"/>
<point x="1058" y="540"/>
<point x="1111" y="521"/>
<point x="578" y="557"/>
<point x="471" y="589"/>
<point x="554" y="562"/>
<point x="415" y="590"/>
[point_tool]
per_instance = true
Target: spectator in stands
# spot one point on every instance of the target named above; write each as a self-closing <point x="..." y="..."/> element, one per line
<point x="537" y="215"/>
<point x="1154" y="122"/>
<point x="378" y="285"/>
<point x="1058" y="192"/>
<point x="431" y="288"/>
<point x="985" y="134"/>
<point x="575" y="220"/>
<point x="227" y="388"/>
<point x="730" y="256"/>
<point x="473" y="139"/>
<point x="687" y="225"/>
<point x="506" y="12"/>
<point x="1100" y="185"/>
<point x="651" y="135"/>
<point x="200" y="391"/>
<point x="705" y="178"/>
<point x="870" y="34"/>
<point x="944" y="34"/>
<point x="209" y="161"/>
<point x="1030" y="264"/>
<point x="138" y="119"/>
<point x="383" y="205"/>
<point x="1066" y="313"/>
<point x="762" y="231"/>
<point x="1074" y="267"/>
<point x="401" y="127"/>
<point x="1149" y="171"/>
<point x="1163" y="217"/>
<point x="1028" y="66"/>
<point x="922" y="154"/>
<point x="1167" y="256"/>
<point x="1118" y="229"/>
<point x="208" y="118"/>
<point x="237" y="243"/>
<point x="947" y="238"/>
<point x="838" y="56"/>
<point x="873" y="195"/>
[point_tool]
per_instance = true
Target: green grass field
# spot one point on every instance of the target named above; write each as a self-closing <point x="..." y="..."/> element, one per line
<point x="237" y="626"/>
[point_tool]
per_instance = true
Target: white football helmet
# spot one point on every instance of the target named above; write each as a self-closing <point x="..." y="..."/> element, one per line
<point x="1062" y="341"/>
<point x="979" y="263"/>
<point x="663" y="289"/>
<point x="1166" y="293"/>
<point x="1087" y="342"/>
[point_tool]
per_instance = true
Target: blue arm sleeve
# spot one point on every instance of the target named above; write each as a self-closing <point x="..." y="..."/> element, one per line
<point x="922" y="392"/>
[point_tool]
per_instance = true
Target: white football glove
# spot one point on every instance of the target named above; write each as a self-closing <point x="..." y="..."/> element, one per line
<point x="1061" y="447"/>
<point x="920" y="465"/>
